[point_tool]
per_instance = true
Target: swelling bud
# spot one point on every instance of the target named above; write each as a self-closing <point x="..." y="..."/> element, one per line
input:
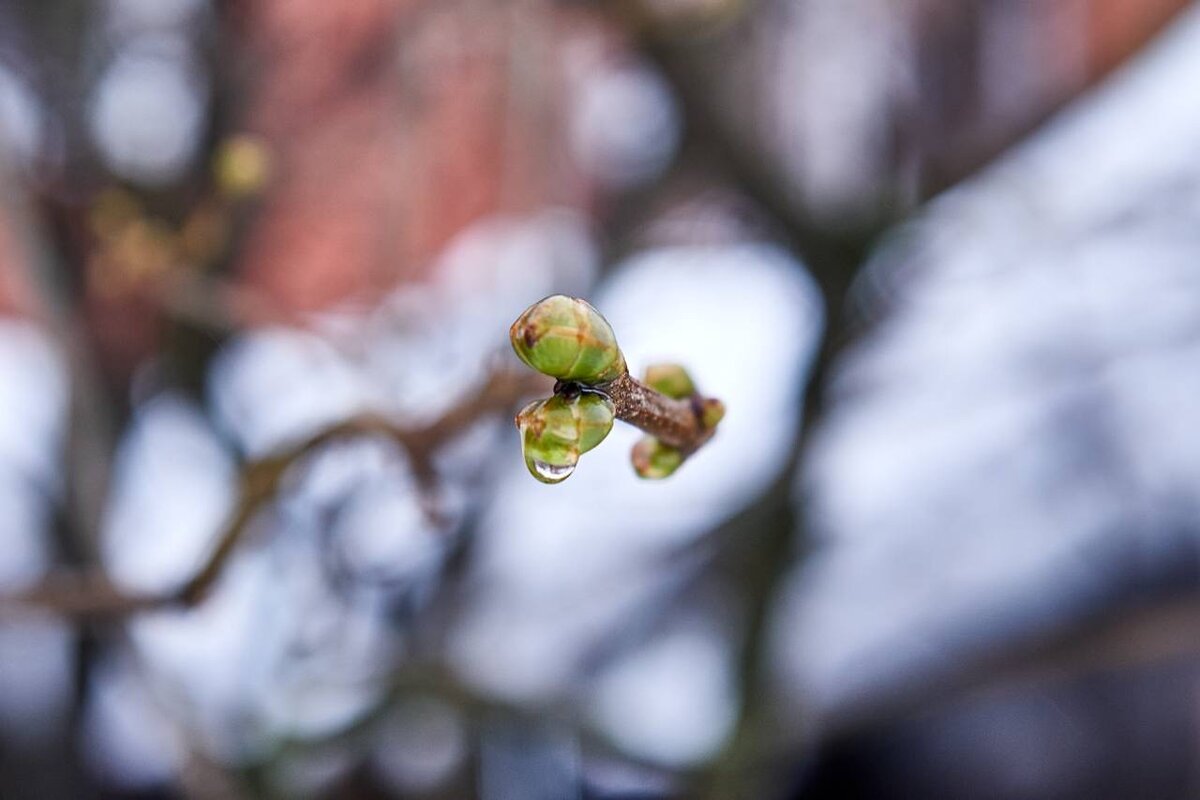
<point x="565" y="338"/>
<point x="557" y="430"/>
<point x="654" y="460"/>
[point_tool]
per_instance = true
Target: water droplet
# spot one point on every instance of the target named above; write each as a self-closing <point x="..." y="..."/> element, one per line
<point x="549" y="473"/>
<point x="549" y="439"/>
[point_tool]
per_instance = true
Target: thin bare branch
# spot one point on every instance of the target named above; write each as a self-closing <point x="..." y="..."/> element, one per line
<point x="91" y="594"/>
<point x="676" y="422"/>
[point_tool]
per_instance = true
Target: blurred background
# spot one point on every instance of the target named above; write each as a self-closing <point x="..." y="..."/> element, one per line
<point x="266" y="531"/>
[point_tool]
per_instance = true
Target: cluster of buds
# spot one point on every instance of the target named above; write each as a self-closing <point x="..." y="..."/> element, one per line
<point x="569" y="340"/>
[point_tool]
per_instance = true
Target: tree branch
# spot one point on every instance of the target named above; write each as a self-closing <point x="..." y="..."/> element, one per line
<point x="91" y="594"/>
<point x="678" y="423"/>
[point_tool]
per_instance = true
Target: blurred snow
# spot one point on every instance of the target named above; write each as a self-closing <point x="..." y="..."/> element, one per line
<point x="33" y="401"/>
<point x="840" y="69"/>
<point x="673" y="700"/>
<point x="428" y="346"/>
<point x="148" y="109"/>
<point x="275" y="386"/>
<point x="173" y="487"/>
<point x="36" y="653"/>
<point x="37" y="667"/>
<point x="414" y="356"/>
<point x="612" y="778"/>
<point x="23" y="528"/>
<point x="625" y="124"/>
<point x="127" y="740"/>
<point x="153" y="14"/>
<point x="422" y="744"/>
<point x="21" y="117"/>
<point x="274" y="652"/>
<point x="384" y="532"/>
<point x="1019" y="443"/>
<point x="528" y="762"/>
<point x="376" y="527"/>
<point x="496" y="264"/>
<point x="559" y="567"/>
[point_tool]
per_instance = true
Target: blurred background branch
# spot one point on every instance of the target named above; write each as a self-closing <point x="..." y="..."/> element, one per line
<point x="92" y="594"/>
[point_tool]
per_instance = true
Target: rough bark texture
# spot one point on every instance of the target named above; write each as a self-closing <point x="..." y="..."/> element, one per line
<point x="673" y="422"/>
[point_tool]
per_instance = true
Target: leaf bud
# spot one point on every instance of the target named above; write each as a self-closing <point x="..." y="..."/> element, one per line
<point x="654" y="460"/>
<point x="557" y="430"/>
<point x="565" y="338"/>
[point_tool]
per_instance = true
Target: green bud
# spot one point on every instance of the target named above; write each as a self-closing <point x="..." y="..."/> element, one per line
<point x="712" y="412"/>
<point x="670" y="379"/>
<point x="654" y="460"/>
<point x="567" y="339"/>
<point x="556" y="431"/>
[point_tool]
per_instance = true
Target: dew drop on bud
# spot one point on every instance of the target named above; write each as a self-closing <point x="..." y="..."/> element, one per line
<point x="550" y="473"/>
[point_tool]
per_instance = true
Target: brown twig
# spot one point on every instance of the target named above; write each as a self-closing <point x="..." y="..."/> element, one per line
<point x="91" y="594"/>
<point x="678" y="423"/>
